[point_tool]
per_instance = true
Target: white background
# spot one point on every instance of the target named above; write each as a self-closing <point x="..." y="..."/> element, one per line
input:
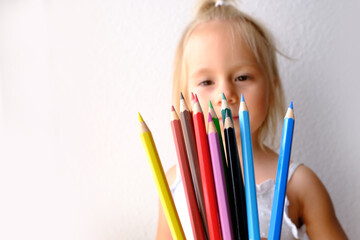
<point x="74" y="74"/>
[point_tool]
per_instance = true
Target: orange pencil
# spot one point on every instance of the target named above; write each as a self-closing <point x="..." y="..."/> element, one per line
<point x="206" y="172"/>
<point x="195" y="218"/>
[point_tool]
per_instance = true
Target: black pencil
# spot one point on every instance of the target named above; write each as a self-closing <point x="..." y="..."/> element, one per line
<point x="238" y="216"/>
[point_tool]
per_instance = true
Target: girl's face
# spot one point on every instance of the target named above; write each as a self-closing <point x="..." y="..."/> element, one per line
<point x="217" y="62"/>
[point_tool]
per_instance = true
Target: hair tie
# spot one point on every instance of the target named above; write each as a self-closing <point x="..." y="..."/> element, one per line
<point x="219" y="3"/>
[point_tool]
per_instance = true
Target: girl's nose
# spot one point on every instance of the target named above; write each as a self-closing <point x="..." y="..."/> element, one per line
<point x="230" y="94"/>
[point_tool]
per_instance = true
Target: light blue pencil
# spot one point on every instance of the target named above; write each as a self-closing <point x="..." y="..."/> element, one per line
<point x="249" y="176"/>
<point x="282" y="175"/>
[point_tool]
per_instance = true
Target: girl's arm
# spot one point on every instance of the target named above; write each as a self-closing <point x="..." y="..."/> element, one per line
<point x="315" y="206"/>
<point x="163" y="231"/>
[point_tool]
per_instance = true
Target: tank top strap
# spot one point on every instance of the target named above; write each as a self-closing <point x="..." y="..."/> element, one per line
<point x="293" y="166"/>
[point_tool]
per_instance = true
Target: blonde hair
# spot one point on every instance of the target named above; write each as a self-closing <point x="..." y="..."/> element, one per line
<point x="259" y="42"/>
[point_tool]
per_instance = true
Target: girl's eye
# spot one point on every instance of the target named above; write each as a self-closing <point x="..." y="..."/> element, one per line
<point x="242" y="78"/>
<point x="205" y="83"/>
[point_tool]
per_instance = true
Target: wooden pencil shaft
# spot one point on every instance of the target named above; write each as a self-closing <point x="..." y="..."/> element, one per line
<point x="195" y="218"/>
<point x="206" y="174"/>
<point x="281" y="180"/>
<point x="223" y="155"/>
<point x="190" y="142"/>
<point x="224" y="160"/>
<point x="238" y="191"/>
<point x="220" y="183"/>
<point x="249" y="176"/>
<point x="162" y="186"/>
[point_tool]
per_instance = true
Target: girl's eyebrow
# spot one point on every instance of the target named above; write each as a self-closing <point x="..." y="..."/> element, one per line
<point x="200" y="72"/>
<point x="241" y="65"/>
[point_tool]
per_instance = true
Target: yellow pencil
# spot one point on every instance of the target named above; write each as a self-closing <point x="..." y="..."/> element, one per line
<point x="162" y="186"/>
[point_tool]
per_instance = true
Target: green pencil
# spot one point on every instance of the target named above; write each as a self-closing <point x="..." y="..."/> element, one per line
<point x="225" y="108"/>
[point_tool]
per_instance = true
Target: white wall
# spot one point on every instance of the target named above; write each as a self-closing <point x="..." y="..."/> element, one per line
<point x="74" y="74"/>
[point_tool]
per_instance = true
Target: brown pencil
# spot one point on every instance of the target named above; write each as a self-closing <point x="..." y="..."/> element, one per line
<point x="195" y="218"/>
<point x="189" y="136"/>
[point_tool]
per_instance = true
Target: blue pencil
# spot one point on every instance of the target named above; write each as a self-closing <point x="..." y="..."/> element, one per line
<point x="282" y="175"/>
<point x="249" y="176"/>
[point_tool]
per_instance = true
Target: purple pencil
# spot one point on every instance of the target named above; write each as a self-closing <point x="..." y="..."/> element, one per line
<point x="219" y="179"/>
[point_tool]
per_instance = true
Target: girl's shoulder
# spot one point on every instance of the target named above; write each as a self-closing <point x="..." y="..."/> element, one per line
<point x="306" y="189"/>
<point x="303" y="181"/>
<point x="310" y="204"/>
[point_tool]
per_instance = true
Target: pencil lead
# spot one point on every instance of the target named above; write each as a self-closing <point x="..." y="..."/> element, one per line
<point x="227" y="114"/>
<point x="172" y="108"/>
<point x="242" y="98"/>
<point x="140" y="118"/>
<point x="210" y="118"/>
<point x="192" y="96"/>
<point x="291" y="105"/>
<point x="181" y="96"/>
<point x="210" y="105"/>
<point x="223" y="96"/>
<point x="196" y="98"/>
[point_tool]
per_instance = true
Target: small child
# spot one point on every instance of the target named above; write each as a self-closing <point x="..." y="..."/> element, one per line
<point x="225" y="51"/>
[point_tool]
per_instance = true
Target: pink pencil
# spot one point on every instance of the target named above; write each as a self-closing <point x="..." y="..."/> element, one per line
<point x="219" y="178"/>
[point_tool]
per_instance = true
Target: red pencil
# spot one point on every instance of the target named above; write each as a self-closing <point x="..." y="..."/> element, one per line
<point x="195" y="218"/>
<point x="206" y="172"/>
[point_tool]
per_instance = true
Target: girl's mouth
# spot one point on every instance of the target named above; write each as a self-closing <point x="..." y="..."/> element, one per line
<point x="234" y="118"/>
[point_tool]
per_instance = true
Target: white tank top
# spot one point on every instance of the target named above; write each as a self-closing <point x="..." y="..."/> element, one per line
<point x="265" y="193"/>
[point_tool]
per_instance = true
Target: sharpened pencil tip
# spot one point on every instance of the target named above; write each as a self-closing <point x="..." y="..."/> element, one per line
<point x="181" y="96"/>
<point x="242" y="98"/>
<point x="172" y="108"/>
<point x="196" y="98"/>
<point x="210" y="118"/>
<point x="227" y="114"/>
<point x="223" y="96"/>
<point x="140" y="118"/>
<point x="192" y="96"/>
<point x="210" y="104"/>
<point x="291" y="105"/>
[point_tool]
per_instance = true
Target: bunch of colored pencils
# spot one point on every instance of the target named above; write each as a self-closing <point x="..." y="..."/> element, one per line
<point x="221" y="201"/>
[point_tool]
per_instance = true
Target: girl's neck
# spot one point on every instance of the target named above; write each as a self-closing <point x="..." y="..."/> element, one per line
<point x="264" y="159"/>
<point x="259" y="153"/>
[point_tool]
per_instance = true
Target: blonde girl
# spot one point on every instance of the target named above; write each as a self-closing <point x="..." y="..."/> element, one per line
<point x="223" y="50"/>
